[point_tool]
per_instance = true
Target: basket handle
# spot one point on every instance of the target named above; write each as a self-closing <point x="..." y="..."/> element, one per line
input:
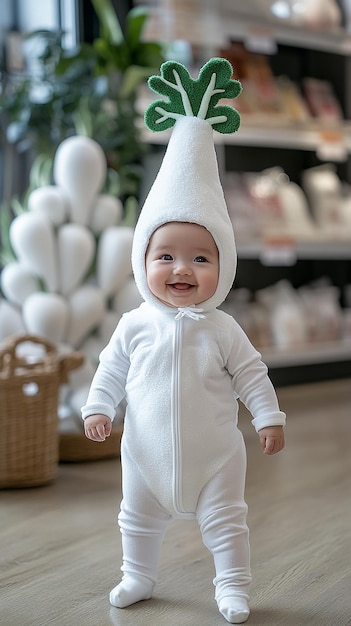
<point x="9" y="359"/>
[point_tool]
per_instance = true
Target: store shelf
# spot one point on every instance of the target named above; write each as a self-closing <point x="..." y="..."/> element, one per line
<point x="334" y="141"/>
<point x="254" y="29"/>
<point x="286" y="253"/>
<point x="218" y="25"/>
<point x="310" y="354"/>
<point x="212" y="28"/>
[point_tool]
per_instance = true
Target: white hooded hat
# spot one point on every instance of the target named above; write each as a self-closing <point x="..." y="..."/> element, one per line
<point x="187" y="187"/>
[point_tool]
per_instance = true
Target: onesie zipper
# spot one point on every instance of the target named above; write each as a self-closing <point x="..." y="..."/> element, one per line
<point x="175" y="418"/>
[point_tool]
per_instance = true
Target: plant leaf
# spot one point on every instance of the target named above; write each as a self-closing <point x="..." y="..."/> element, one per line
<point x="136" y="19"/>
<point x="108" y="20"/>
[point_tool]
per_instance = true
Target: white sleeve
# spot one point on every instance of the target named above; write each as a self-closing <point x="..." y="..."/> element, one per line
<point x="252" y="384"/>
<point x="108" y="385"/>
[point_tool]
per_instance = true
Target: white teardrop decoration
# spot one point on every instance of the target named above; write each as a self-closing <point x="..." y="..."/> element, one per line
<point x="10" y="320"/>
<point x="77" y="399"/>
<point x="46" y="315"/>
<point x="50" y="201"/>
<point x="17" y="283"/>
<point x="80" y="169"/>
<point x="76" y="249"/>
<point x="33" y="241"/>
<point x="107" y="326"/>
<point x="107" y="212"/>
<point x="83" y="375"/>
<point x="87" y="307"/>
<point x="114" y="258"/>
<point x="92" y="346"/>
<point x="127" y="298"/>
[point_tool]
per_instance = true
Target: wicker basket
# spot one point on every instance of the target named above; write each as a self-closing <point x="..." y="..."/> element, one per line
<point x="29" y="442"/>
<point x="76" y="448"/>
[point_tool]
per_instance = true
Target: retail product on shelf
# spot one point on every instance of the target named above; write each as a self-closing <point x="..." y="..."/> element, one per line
<point x="329" y="200"/>
<point x="322" y="311"/>
<point x="282" y="317"/>
<point x="322" y="100"/>
<point x="316" y="14"/>
<point x="264" y="95"/>
<point x="267" y="204"/>
<point x="286" y="315"/>
<point x="251" y="315"/>
<point x="292" y="100"/>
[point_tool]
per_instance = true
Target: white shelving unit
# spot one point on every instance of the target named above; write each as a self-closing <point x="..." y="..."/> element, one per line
<point x="309" y="250"/>
<point x="250" y="29"/>
<point x="221" y="24"/>
<point x="335" y="143"/>
<point x="310" y="354"/>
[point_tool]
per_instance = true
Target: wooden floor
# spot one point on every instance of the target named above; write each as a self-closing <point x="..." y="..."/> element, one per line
<point x="60" y="550"/>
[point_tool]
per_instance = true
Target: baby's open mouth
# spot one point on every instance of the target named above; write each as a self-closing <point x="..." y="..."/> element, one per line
<point x="180" y="286"/>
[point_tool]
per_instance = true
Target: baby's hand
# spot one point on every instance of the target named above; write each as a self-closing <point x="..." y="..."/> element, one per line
<point x="97" y="427"/>
<point x="271" y="439"/>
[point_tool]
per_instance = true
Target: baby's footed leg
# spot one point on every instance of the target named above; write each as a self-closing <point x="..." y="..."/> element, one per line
<point x="130" y="590"/>
<point x="234" y="608"/>
<point x="222" y="515"/>
<point x="142" y="523"/>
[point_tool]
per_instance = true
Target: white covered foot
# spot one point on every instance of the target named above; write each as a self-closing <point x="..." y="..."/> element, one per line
<point x="235" y="609"/>
<point x="130" y="590"/>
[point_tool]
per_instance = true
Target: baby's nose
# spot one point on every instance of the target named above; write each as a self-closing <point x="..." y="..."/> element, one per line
<point x="182" y="267"/>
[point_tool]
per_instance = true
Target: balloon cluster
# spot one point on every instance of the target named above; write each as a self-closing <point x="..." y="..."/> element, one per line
<point x="72" y="279"/>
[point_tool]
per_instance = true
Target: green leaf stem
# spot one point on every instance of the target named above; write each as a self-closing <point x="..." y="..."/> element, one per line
<point x="194" y="97"/>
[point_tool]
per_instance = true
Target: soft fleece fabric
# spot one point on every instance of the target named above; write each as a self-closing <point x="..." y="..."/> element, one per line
<point x="181" y="379"/>
<point x="181" y="372"/>
<point x="188" y="189"/>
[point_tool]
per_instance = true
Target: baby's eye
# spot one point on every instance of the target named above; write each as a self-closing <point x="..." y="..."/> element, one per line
<point x="200" y="259"/>
<point x="166" y="257"/>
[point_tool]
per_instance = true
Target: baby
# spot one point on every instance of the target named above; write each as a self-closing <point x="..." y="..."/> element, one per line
<point x="182" y="364"/>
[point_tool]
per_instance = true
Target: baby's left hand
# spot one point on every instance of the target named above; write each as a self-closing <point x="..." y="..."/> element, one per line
<point x="272" y="439"/>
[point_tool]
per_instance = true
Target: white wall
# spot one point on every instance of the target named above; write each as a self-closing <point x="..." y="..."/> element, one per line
<point x="34" y="15"/>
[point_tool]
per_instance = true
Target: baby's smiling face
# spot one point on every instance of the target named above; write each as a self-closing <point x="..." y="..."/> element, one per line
<point x="182" y="264"/>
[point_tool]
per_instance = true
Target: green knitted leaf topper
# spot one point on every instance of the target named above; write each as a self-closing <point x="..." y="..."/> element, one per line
<point x="195" y="98"/>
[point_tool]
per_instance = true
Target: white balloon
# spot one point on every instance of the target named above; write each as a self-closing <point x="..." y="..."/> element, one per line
<point x="107" y="212"/>
<point x="114" y="258"/>
<point x="80" y="169"/>
<point x="82" y="375"/>
<point x="17" y="282"/>
<point x="107" y="326"/>
<point x="51" y="201"/>
<point x="46" y="315"/>
<point x="11" y="322"/>
<point x="33" y="240"/>
<point x="76" y="249"/>
<point x="77" y="400"/>
<point x="87" y="307"/>
<point x="127" y="298"/>
<point x="92" y="347"/>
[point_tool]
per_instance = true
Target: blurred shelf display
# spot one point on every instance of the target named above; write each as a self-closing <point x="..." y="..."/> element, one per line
<point x="261" y="25"/>
<point x="294" y="143"/>
<point x="285" y="253"/>
<point x="308" y="355"/>
<point x="335" y="143"/>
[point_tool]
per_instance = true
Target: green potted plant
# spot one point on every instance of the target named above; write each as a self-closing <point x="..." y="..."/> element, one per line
<point x="65" y="254"/>
<point x="90" y="91"/>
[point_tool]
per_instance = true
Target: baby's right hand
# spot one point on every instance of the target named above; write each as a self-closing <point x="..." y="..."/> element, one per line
<point x="97" y="427"/>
